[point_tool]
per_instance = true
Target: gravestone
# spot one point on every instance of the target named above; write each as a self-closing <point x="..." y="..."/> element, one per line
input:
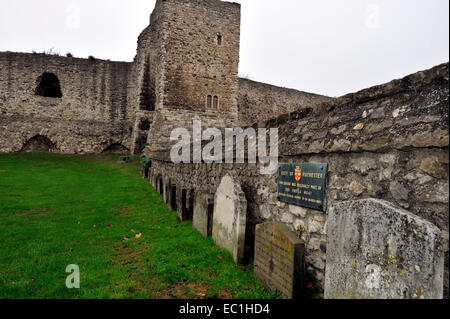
<point x="166" y="191"/>
<point x="377" y="251"/>
<point x="144" y="172"/>
<point x="230" y="218"/>
<point x="124" y="160"/>
<point x="203" y="212"/>
<point x="279" y="259"/>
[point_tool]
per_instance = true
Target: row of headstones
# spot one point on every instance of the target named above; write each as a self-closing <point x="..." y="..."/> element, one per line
<point x="374" y="250"/>
<point x="222" y="215"/>
<point x="180" y="201"/>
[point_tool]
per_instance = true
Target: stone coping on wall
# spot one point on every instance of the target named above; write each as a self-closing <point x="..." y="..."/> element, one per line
<point x="408" y="113"/>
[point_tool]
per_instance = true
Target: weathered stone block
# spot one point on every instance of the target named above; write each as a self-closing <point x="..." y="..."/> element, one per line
<point x="230" y="217"/>
<point x="279" y="259"/>
<point x="377" y="251"/>
<point x="203" y="212"/>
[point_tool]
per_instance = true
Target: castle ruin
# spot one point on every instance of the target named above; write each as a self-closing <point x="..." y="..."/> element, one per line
<point x="387" y="142"/>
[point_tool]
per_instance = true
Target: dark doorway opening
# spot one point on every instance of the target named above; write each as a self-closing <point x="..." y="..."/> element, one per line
<point x="38" y="143"/>
<point x="144" y="125"/>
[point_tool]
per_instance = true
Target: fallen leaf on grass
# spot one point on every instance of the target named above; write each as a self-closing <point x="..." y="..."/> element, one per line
<point x="138" y="236"/>
<point x="125" y="238"/>
<point x="109" y="225"/>
<point x="133" y="231"/>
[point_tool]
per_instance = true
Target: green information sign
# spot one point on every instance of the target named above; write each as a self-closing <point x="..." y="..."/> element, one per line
<point x="303" y="184"/>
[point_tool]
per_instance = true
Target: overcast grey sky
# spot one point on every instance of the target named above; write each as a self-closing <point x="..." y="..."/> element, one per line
<point x="329" y="47"/>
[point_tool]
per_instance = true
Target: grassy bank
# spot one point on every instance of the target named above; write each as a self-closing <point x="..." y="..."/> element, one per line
<point x="57" y="210"/>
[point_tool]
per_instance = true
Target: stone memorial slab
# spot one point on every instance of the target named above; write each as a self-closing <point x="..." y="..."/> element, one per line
<point x="230" y="218"/>
<point x="203" y="212"/>
<point x="279" y="259"/>
<point x="124" y="160"/>
<point x="303" y="184"/>
<point x="377" y="251"/>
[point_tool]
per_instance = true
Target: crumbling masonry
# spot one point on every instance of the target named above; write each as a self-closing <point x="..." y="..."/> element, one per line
<point x="388" y="142"/>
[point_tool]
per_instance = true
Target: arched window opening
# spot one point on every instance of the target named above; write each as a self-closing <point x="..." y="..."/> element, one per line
<point x="219" y="39"/>
<point x="209" y="102"/>
<point x="216" y="102"/>
<point x="48" y="86"/>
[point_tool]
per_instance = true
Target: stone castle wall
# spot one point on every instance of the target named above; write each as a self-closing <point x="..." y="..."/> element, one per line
<point x="186" y="67"/>
<point x="91" y="115"/>
<point x="260" y="102"/>
<point x="388" y="142"/>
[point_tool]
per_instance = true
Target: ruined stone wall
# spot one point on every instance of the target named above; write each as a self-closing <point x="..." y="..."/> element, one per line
<point x="147" y="78"/>
<point x="389" y="142"/>
<point x="261" y="102"/>
<point x="90" y="116"/>
<point x="200" y="57"/>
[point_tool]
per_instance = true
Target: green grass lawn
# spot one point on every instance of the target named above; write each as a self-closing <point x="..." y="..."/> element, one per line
<point x="57" y="210"/>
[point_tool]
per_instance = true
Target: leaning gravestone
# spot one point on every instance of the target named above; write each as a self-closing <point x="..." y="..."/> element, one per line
<point x="377" y="251"/>
<point x="203" y="212"/>
<point x="230" y="217"/>
<point x="279" y="259"/>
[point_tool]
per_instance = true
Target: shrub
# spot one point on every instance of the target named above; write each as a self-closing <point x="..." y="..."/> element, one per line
<point x="145" y="161"/>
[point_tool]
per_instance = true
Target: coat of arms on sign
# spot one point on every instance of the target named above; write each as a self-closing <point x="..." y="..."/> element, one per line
<point x="298" y="173"/>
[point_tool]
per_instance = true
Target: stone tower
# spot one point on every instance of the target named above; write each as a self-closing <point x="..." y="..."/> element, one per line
<point x="187" y="68"/>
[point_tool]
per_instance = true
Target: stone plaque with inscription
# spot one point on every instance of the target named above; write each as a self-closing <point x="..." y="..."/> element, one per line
<point x="303" y="184"/>
<point x="279" y="259"/>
